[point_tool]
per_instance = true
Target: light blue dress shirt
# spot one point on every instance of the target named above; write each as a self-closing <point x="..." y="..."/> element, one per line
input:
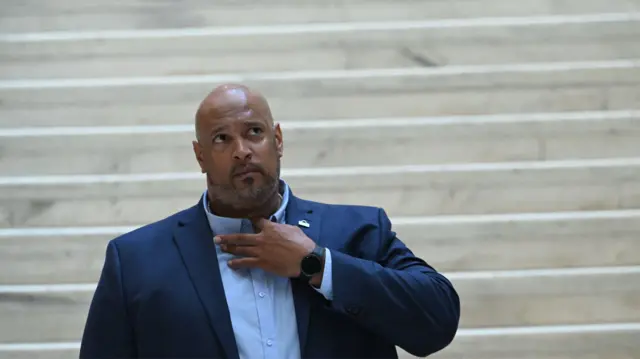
<point x="261" y="304"/>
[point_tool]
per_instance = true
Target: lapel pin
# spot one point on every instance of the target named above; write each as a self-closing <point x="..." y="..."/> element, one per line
<point x="303" y="223"/>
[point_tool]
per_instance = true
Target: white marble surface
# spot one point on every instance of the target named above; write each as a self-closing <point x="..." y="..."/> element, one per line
<point x="104" y="14"/>
<point x="433" y="46"/>
<point x="477" y="139"/>
<point x="495" y="302"/>
<point x="430" y="190"/>
<point x="512" y="271"/>
<point x="449" y="246"/>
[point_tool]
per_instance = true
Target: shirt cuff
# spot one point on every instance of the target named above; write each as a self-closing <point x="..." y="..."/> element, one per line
<point x="326" y="287"/>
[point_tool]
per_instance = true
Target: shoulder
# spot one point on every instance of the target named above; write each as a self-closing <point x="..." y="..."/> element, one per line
<point x="341" y="209"/>
<point x="356" y="230"/>
<point x="151" y="234"/>
<point x="353" y="215"/>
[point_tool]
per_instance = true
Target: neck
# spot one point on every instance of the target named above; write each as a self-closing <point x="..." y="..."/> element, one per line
<point x="265" y="210"/>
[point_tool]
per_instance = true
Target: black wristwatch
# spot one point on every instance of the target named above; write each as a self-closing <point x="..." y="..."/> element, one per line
<point x="311" y="264"/>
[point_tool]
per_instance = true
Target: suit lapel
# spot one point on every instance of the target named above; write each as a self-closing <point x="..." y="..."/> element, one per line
<point x="194" y="239"/>
<point x="299" y="210"/>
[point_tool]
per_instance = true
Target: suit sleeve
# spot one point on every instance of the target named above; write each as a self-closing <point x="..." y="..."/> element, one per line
<point x="326" y="286"/>
<point x="107" y="332"/>
<point x="398" y="296"/>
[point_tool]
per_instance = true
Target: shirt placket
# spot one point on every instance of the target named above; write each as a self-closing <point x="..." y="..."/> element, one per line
<point x="263" y="292"/>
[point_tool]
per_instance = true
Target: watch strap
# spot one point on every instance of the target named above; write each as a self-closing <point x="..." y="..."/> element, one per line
<point x="317" y="252"/>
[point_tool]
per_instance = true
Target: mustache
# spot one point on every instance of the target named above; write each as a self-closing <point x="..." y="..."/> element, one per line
<point x="249" y="167"/>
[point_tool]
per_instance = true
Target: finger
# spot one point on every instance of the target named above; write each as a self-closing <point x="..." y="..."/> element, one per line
<point x="244" y="263"/>
<point x="244" y="251"/>
<point x="259" y="223"/>
<point x="238" y="239"/>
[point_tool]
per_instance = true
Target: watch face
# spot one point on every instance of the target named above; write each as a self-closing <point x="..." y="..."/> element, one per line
<point x="311" y="265"/>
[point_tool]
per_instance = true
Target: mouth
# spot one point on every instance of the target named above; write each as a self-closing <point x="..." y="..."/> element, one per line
<point x="246" y="172"/>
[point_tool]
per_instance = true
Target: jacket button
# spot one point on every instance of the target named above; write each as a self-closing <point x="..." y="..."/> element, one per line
<point x="353" y="310"/>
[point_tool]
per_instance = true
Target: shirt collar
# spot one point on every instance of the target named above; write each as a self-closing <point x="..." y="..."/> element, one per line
<point x="226" y="225"/>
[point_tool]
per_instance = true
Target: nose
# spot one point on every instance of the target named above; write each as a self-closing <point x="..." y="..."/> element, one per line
<point x="242" y="150"/>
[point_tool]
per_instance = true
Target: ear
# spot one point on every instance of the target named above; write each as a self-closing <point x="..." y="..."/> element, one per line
<point x="279" y="142"/>
<point x="197" y="151"/>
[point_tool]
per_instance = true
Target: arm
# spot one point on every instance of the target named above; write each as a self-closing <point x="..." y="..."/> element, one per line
<point x="107" y="332"/>
<point x="398" y="296"/>
<point x="323" y="283"/>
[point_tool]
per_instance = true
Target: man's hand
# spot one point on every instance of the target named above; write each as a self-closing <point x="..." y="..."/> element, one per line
<point x="276" y="248"/>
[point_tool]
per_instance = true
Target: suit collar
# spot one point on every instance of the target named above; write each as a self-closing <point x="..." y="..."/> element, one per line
<point x="299" y="210"/>
<point x="194" y="240"/>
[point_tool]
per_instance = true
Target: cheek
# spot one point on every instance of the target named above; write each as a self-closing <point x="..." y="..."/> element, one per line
<point x="217" y="167"/>
<point x="266" y="152"/>
<point x="216" y="178"/>
<point x="270" y="163"/>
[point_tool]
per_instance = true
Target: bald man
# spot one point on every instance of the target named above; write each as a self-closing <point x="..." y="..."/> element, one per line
<point x="252" y="271"/>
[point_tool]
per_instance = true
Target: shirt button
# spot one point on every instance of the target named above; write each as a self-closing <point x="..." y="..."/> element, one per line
<point x="261" y="294"/>
<point x="269" y="342"/>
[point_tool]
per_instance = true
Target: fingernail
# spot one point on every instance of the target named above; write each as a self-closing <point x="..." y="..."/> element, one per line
<point x="217" y="240"/>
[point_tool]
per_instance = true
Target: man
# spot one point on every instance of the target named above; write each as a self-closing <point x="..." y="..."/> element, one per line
<point x="252" y="271"/>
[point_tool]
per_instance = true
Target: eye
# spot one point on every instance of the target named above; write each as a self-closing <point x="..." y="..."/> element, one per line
<point x="221" y="138"/>
<point x="255" y="131"/>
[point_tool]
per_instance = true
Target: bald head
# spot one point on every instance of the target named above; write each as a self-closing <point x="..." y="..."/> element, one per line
<point x="231" y="100"/>
<point x="239" y="148"/>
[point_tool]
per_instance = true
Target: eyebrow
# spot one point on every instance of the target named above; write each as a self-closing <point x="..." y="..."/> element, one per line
<point x="247" y="123"/>
<point x="255" y="123"/>
<point x="218" y="128"/>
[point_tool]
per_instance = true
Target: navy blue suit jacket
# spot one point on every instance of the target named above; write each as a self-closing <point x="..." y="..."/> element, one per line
<point x="160" y="294"/>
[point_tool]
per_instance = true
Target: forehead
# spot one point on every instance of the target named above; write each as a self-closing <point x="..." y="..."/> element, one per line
<point x="226" y="103"/>
<point x="236" y="97"/>
<point x="232" y="116"/>
<point x="229" y="106"/>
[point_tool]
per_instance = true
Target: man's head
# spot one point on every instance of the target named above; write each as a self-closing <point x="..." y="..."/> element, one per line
<point x="239" y="148"/>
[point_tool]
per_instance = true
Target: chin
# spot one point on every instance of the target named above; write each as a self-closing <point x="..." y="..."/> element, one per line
<point x="251" y="195"/>
<point x="254" y="180"/>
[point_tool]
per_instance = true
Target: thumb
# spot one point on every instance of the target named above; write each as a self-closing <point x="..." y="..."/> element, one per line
<point x="259" y="223"/>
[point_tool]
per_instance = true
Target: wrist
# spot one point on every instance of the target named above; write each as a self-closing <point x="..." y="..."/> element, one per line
<point x="312" y="266"/>
<point x="316" y="280"/>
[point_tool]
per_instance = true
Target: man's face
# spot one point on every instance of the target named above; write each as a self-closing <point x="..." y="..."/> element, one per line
<point x="239" y="150"/>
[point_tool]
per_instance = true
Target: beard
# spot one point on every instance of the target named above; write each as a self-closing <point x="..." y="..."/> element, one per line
<point x="253" y="197"/>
